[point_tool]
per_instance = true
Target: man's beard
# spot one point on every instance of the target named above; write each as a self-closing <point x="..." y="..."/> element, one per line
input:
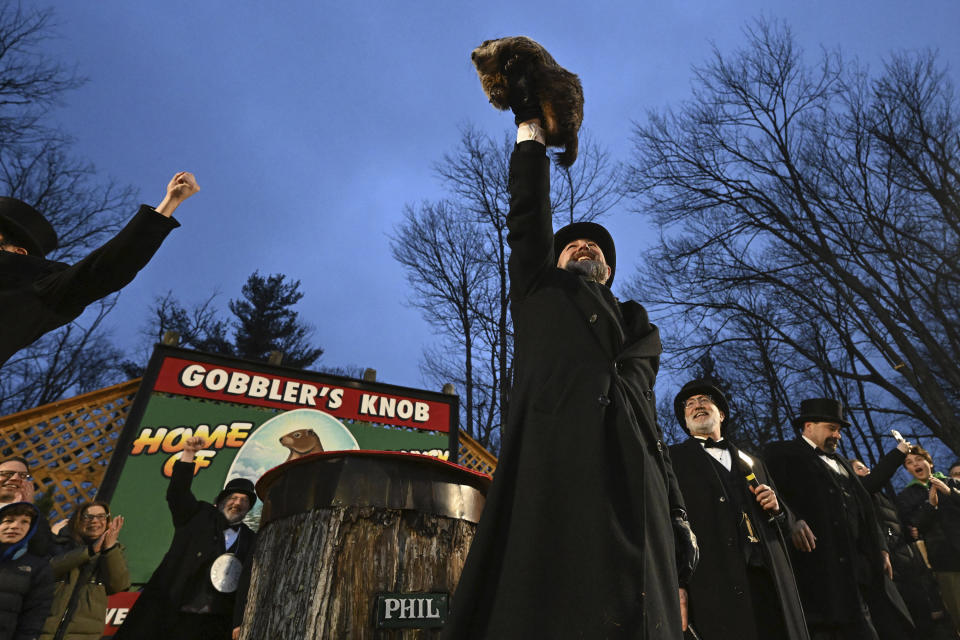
<point x="701" y="427"/>
<point x="592" y="270"/>
<point x="232" y="519"/>
<point x="830" y="445"/>
<point x="8" y="493"/>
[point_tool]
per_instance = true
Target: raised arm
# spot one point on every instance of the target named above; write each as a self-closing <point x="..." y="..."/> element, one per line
<point x="114" y="265"/>
<point x="885" y="468"/>
<point x="183" y="504"/>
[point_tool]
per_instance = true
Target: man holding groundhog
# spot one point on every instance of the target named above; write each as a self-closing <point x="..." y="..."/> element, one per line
<point x="584" y="534"/>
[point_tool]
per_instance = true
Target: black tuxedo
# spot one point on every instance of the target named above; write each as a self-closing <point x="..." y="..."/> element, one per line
<point x="847" y="559"/>
<point x="197" y="541"/>
<point x="724" y="602"/>
<point x="576" y="538"/>
<point x="39" y="295"/>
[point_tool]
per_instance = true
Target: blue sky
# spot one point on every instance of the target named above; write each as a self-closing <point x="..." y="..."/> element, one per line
<point x="310" y="125"/>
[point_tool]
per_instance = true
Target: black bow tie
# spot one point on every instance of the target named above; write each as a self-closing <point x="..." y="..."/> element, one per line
<point x="234" y="527"/>
<point x="825" y="454"/>
<point x="719" y="444"/>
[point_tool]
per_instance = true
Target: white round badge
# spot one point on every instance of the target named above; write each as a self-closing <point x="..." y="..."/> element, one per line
<point x="225" y="573"/>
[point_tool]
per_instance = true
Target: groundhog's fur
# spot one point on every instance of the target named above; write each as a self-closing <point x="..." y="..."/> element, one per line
<point x="558" y="90"/>
<point x="301" y="442"/>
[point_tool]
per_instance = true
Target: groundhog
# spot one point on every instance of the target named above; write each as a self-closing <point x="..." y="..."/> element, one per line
<point x="559" y="91"/>
<point x="301" y="442"/>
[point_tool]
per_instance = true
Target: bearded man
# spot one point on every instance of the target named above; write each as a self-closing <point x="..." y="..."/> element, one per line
<point x="184" y="599"/>
<point x="744" y="587"/>
<point x="845" y="556"/>
<point x="584" y="532"/>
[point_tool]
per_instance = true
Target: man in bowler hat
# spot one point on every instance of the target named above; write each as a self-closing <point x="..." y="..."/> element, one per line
<point x="187" y="597"/>
<point x="743" y="588"/>
<point x="40" y="295"/>
<point x="845" y="556"/>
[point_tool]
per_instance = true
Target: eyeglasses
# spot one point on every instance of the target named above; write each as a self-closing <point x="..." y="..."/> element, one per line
<point x="90" y="517"/>
<point x="697" y="400"/>
<point x="23" y="475"/>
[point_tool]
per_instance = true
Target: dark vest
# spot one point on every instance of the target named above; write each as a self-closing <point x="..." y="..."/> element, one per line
<point x="203" y="597"/>
<point x="735" y="488"/>
<point x="851" y="514"/>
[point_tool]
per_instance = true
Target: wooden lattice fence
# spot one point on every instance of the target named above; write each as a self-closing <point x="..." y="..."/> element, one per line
<point x="474" y="456"/>
<point x="68" y="444"/>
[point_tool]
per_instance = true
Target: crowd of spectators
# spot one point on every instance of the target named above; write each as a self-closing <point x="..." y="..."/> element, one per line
<point x="55" y="582"/>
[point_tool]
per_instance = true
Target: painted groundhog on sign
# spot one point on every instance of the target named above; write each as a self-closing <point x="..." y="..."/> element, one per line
<point x="301" y="442"/>
<point x="559" y="91"/>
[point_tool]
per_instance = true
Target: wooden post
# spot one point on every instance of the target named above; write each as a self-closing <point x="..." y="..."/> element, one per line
<point x="339" y="528"/>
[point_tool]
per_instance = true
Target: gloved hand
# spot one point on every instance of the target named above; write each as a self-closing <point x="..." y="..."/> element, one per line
<point x="685" y="542"/>
<point x="523" y="95"/>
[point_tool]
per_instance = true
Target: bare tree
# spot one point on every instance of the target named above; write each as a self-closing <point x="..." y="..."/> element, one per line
<point x="37" y="166"/>
<point x="76" y="359"/>
<point x="809" y="216"/>
<point x="30" y="83"/>
<point x="455" y="253"/>
<point x="444" y="254"/>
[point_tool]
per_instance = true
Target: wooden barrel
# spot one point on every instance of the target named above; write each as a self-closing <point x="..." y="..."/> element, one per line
<point x="360" y="544"/>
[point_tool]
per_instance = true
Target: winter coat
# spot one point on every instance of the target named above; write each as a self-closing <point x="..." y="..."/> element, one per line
<point x="48" y="294"/>
<point x="197" y="542"/>
<point x="827" y="576"/>
<point x="902" y="553"/>
<point x="720" y="606"/>
<point x="576" y="538"/>
<point x="93" y="576"/>
<point x="26" y="588"/>
<point x="894" y="622"/>
<point x="939" y="526"/>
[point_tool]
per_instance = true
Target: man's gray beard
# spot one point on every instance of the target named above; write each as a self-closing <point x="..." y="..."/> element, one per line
<point x="229" y="521"/>
<point x="702" y="429"/>
<point x="592" y="270"/>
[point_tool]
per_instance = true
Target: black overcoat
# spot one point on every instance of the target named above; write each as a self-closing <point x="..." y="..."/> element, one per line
<point x="26" y="589"/>
<point x="826" y="576"/>
<point x="939" y="526"/>
<point x="40" y="295"/>
<point x="197" y="540"/>
<point x="576" y="538"/>
<point x="720" y="606"/>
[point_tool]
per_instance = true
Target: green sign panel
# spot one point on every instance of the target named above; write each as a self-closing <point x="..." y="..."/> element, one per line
<point x="253" y="417"/>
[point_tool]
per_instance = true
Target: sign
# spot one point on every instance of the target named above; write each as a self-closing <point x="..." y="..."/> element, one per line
<point x="118" y="605"/>
<point x="253" y="417"/>
<point x="411" y="610"/>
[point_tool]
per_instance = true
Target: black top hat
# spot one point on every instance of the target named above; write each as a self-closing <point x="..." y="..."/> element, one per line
<point x="590" y="231"/>
<point x="696" y="388"/>
<point x="820" y="410"/>
<point x="238" y="485"/>
<point x="28" y="226"/>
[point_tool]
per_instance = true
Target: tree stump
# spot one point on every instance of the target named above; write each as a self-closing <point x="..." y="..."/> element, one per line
<point x="340" y="528"/>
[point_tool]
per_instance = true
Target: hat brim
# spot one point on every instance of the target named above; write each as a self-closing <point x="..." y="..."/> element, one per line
<point x="799" y="421"/>
<point x="251" y="495"/>
<point x="12" y="211"/>
<point x="590" y="231"/>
